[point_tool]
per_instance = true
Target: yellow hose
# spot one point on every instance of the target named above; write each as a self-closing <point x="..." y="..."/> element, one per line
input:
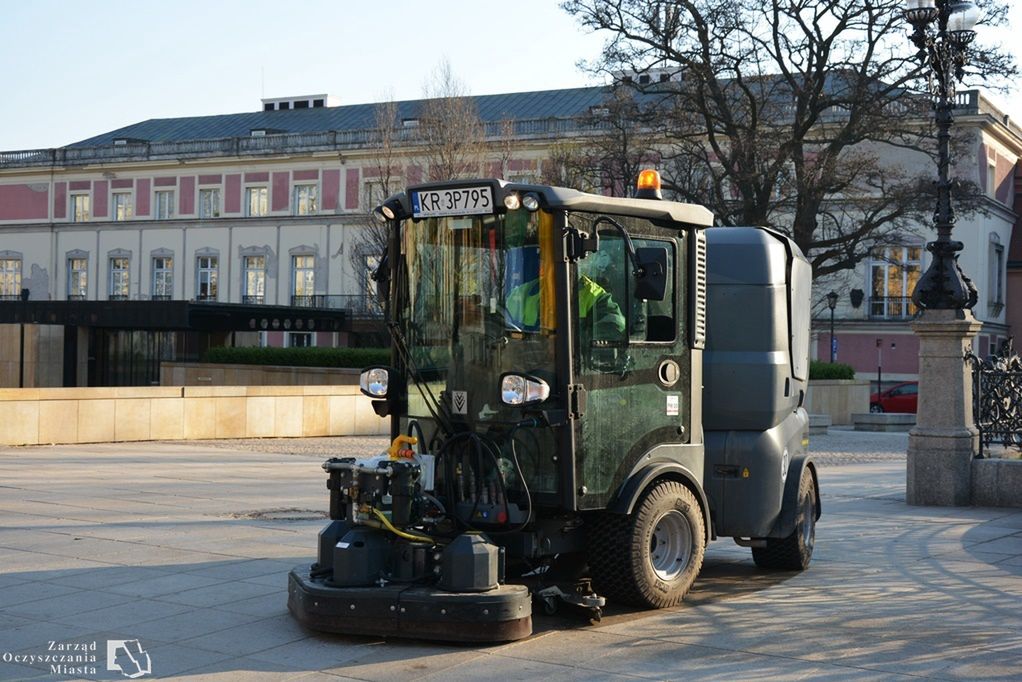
<point x="400" y="533"/>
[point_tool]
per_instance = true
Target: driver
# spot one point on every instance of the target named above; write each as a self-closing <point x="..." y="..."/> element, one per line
<point x="596" y="308"/>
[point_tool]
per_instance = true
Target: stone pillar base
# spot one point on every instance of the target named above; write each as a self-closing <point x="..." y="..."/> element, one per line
<point x="939" y="469"/>
<point x="942" y="444"/>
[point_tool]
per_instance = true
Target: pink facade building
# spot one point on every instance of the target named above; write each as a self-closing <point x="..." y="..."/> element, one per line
<point x="265" y="213"/>
<point x="874" y="311"/>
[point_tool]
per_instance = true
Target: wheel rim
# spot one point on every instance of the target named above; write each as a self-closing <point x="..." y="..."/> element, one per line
<point x="670" y="547"/>
<point x="808" y="522"/>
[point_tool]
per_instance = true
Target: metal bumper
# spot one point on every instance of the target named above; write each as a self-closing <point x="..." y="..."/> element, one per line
<point x="503" y="614"/>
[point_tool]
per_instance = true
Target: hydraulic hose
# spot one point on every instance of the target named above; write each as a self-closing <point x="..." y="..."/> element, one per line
<point x="400" y="533"/>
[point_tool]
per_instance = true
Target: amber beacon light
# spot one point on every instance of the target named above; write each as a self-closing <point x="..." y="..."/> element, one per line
<point x="648" y="185"/>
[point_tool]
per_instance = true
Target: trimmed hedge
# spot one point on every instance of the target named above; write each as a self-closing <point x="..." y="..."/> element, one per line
<point x="356" y="358"/>
<point x="827" y="370"/>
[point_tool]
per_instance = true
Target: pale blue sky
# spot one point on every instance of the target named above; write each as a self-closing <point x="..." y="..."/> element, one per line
<point x="71" y="69"/>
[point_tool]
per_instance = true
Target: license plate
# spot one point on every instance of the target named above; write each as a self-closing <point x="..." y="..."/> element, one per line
<point x="453" y="201"/>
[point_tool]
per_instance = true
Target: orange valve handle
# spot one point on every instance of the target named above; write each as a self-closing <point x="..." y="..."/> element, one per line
<point x="397" y="452"/>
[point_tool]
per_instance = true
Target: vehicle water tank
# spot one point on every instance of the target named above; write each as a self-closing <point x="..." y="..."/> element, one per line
<point x="756" y="359"/>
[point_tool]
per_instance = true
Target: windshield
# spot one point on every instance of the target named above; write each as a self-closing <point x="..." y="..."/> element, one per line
<point x="477" y="300"/>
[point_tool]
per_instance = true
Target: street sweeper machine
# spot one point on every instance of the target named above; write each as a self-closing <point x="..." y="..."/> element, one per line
<point x="583" y="392"/>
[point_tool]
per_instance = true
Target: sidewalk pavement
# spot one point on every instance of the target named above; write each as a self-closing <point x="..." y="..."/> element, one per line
<point x="185" y="547"/>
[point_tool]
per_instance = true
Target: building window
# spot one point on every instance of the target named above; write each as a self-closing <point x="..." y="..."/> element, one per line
<point x="256" y="201"/>
<point x="893" y="273"/>
<point x="81" y="209"/>
<point x="206" y="274"/>
<point x="120" y="278"/>
<point x="10" y="279"/>
<point x="303" y="279"/>
<point x="373" y="194"/>
<point x="305" y="200"/>
<point x="122" y="208"/>
<point x="300" y="339"/>
<point x="77" y="279"/>
<point x="991" y="178"/>
<point x="163" y="278"/>
<point x="255" y="279"/>
<point x="209" y="203"/>
<point x="164" y="204"/>
<point x="995" y="286"/>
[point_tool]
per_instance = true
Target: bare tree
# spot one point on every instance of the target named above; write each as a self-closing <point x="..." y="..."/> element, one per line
<point x="789" y="113"/>
<point x="449" y="142"/>
<point x="615" y="142"/>
<point x="450" y="130"/>
<point x="570" y="163"/>
<point x="384" y="175"/>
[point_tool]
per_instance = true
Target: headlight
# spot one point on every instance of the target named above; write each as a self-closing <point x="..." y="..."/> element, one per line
<point x="374" y="382"/>
<point x="519" y="390"/>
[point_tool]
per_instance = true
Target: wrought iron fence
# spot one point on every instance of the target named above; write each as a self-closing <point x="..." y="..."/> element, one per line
<point x="358" y="305"/>
<point x="997" y="397"/>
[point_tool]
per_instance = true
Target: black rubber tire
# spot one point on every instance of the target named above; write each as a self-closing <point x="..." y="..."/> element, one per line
<point x="875" y="408"/>
<point x="620" y="548"/>
<point x="795" y="552"/>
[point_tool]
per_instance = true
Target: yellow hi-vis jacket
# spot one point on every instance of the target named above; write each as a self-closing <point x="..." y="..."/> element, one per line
<point x="523" y="307"/>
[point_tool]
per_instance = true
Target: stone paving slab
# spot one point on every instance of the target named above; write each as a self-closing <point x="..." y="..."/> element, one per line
<point x="177" y="545"/>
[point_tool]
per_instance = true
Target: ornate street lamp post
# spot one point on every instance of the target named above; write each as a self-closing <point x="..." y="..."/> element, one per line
<point x="832" y="303"/>
<point x="943" y="31"/>
<point x="944" y="440"/>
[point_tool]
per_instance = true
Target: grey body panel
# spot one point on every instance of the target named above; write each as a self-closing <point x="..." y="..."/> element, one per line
<point x="755" y="373"/>
<point x="751" y="507"/>
<point x="755" y="366"/>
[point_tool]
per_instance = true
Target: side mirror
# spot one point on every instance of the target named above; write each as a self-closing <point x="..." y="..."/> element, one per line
<point x="651" y="273"/>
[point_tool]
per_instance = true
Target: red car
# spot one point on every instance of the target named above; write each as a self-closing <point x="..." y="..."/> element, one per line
<point x="902" y="397"/>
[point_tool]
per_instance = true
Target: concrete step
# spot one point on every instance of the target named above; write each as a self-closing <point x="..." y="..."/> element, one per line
<point x="818" y="424"/>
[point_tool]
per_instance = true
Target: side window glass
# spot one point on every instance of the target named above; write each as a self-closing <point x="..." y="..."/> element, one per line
<point x="603" y="291"/>
<point x="655" y="320"/>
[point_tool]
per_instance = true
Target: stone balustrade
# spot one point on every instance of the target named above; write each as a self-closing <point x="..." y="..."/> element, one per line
<point x="35" y="416"/>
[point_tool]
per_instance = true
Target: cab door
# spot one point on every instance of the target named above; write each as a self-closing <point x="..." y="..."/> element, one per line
<point x="632" y="363"/>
